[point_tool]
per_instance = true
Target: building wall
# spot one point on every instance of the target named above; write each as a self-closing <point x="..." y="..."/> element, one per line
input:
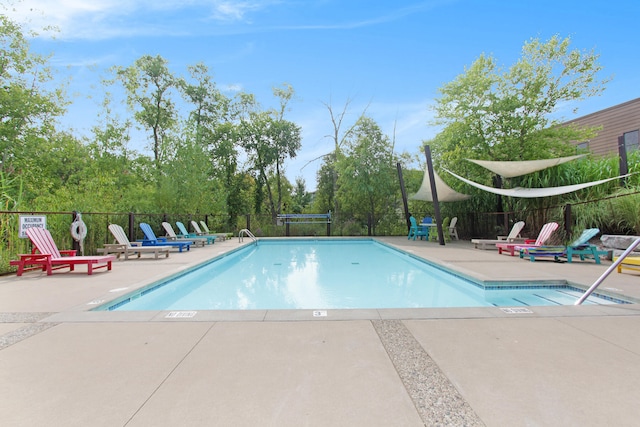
<point x="615" y="121"/>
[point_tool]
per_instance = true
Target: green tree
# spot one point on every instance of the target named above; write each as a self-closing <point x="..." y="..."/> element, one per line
<point x="267" y="142"/>
<point x="328" y="170"/>
<point x="210" y="106"/>
<point x="325" y="197"/>
<point x="27" y="108"/>
<point x="492" y="113"/>
<point x="367" y="180"/>
<point x="497" y="114"/>
<point x="149" y="84"/>
<point x="301" y="197"/>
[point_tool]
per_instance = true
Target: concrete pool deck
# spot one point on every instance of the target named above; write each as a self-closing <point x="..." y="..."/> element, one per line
<point x="61" y="365"/>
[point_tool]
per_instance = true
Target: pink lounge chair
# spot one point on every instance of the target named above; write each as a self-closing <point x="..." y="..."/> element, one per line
<point x="546" y="232"/>
<point x="45" y="255"/>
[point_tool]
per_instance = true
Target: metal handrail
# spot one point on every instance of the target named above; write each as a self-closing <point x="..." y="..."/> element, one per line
<point x="248" y="233"/>
<point x="607" y="272"/>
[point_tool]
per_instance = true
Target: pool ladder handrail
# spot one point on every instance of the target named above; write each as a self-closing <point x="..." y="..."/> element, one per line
<point x="607" y="272"/>
<point x="248" y="233"/>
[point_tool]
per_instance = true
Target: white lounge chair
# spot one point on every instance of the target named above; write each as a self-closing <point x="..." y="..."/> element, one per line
<point x="171" y="235"/>
<point x="207" y="232"/>
<point x="513" y="237"/>
<point x="124" y="246"/>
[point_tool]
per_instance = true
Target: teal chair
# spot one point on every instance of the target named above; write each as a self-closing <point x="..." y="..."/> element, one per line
<point x="413" y="229"/>
<point x="423" y="232"/>
<point x="210" y="240"/>
<point x="580" y="247"/>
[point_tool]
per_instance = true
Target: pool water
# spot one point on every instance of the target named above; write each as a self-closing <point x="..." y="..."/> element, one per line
<point x="330" y="274"/>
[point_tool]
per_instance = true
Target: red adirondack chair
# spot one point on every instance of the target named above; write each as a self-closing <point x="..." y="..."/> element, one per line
<point x="546" y="232"/>
<point x="45" y="255"/>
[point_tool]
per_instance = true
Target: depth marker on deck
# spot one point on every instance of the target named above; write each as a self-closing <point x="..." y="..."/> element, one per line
<point x="180" y="314"/>
<point x="516" y="310"/>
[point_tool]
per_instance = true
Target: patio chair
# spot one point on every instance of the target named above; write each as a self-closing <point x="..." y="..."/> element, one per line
<point x="414" y="229"/>
<point x="46" y="256"/>
<point x="453" y="231"/>
<point x="205" y="230"/>
<point x="580" y="247"/>
<point x="512" y="237"/>
<point x="210" y="240"/>
<point x="126" y="248"/>
<point x="172" y="236"/>
<point x="546" y="232"/>
<point x="150" y="239"/>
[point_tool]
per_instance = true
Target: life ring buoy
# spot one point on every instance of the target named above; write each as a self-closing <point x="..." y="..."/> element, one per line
<point x="78" y="230"/>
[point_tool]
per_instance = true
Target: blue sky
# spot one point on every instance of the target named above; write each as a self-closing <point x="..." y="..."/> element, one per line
<point x="388" y="57"/>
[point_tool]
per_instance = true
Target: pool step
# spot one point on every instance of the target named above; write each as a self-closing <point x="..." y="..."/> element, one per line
<point x="560" y="296"/>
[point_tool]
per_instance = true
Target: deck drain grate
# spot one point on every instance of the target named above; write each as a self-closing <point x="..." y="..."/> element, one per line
<point x="180" y="314"/>
<point x="516" y="310"/>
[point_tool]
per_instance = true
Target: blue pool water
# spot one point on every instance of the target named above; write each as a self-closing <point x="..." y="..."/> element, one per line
<point x="330" y="274"/>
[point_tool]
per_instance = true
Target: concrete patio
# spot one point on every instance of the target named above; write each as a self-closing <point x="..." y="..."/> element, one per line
<point x="63" y="365"/>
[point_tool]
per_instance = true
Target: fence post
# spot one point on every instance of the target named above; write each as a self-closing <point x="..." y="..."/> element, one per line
<point x="248" y="221"/>
<point x="567" y="220"/>
<point x="329" y="224"/>
<point x="132" y="225"/>
<point x="624" y="165"/>
<point x="74" y="244"/>
<point x="369" y="224"/>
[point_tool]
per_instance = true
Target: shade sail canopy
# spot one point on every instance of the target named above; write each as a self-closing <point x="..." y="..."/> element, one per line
<point x="445" y="193"/>
<point x="534" y="192"/>
<point x="510" y="169"/>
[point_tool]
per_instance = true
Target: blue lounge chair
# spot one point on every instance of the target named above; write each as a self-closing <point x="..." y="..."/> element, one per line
<point x="150" y="239"/>
<point x="580" y="247"/>
<point x="186" y="235"/>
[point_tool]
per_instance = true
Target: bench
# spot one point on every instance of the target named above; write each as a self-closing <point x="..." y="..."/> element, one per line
<point x="289" y="219"/>
<point x="629" y="263"/>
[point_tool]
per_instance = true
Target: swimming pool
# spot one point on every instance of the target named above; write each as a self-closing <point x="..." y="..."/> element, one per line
<point x="331" y="274"/>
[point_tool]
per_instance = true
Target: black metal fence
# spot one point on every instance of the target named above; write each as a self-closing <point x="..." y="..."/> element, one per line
<point x="469" y="225"/>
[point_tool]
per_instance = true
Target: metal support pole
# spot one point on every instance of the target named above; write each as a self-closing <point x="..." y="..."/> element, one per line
<point x="404" y="196"/>
<point x="434" y="195"/>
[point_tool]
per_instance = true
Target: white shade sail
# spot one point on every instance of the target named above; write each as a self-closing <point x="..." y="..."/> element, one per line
<point x="535" y="192"/>
<point x="510" y="169"/>
<point x="445" y="193"/>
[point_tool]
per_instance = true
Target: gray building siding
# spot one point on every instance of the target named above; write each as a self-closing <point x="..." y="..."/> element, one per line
<point x="615" y="121"/>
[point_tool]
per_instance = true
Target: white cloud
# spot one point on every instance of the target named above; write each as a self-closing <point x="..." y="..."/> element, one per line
<point x="232" y="87"/>
<point x="234" y="10"/>
<point x="103" y="19"/>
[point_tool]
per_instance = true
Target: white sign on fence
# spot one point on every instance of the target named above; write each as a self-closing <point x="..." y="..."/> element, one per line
<point x="28" y="221"/>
